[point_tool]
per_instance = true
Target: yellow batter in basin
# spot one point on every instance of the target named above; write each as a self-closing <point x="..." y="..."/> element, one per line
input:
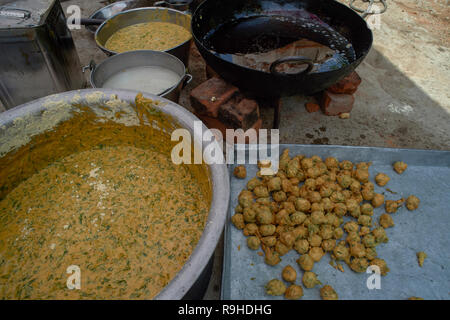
<point x="158" y="36"/>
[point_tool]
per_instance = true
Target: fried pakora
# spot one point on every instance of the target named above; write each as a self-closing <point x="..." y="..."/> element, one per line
<point x="421" y="256"/>
<point x="412" y="203"/>
<point x="400" y="167"/>
<point x="382" y="179"/>
<point x="328" y="293"/>
<point x="275" y="287"/>
<point x="253" y="242"/>
<point x="289" y="274"/>
<point x="306" y="262"/>
<point x="240" y="172"/>
<point x="386" y="221"/>
<point x="310" y="280"/>
<point x="293" y="292"/>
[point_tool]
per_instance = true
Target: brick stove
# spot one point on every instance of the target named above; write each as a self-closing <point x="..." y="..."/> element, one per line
<point x="339" y="98"/>
<point x="222" y="106"/>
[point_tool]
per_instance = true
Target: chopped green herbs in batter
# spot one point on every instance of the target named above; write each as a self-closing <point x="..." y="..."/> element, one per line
<point x="128" y="217"/>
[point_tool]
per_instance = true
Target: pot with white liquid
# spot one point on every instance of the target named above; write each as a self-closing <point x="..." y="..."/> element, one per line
<point x="147" y="71"/>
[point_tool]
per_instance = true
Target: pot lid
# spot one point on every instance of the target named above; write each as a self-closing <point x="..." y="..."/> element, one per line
<point x="24" y="13"/>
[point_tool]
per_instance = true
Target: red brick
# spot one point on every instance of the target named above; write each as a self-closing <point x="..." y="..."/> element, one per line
<point x="239" y="112"/>
<point x="334" y="104"/>
<point x="312" y="107"/>
<point x="210" y="95"/>
<point x="348" y="85"/>
<point x="214" y="123"/>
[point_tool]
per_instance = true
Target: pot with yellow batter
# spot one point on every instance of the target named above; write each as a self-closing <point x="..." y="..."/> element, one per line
<point x="158" y="29"/>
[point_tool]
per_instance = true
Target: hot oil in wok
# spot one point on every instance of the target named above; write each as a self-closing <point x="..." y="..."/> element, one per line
<point x="256" y="42"/>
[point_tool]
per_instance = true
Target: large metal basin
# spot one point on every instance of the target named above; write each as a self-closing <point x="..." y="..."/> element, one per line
<point x="30" y="117"/>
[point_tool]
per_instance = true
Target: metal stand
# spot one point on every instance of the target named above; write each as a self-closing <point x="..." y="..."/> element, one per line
<point x="272" y="103"/>
<point x="277" y="113"/>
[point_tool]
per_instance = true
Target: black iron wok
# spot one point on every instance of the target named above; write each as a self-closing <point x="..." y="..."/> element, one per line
<point x="212" y="14"/>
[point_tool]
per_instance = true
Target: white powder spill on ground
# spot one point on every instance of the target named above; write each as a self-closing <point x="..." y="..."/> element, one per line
<point x="400" y="109"/>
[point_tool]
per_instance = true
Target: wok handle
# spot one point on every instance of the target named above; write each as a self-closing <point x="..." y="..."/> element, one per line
<point x="181" y="5"/>
<point x="91" y="22"/>
<point x="187" y="79"/>
<point x="91" y="66"/>
<point x="160" y="4"/>
<point x="302" y="60"/>
<point x="368" y="11"/>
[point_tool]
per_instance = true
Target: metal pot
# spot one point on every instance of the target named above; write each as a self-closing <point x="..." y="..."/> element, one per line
<point x="140" y="58"/>
<point x="33" y="112"/>
<point x="142" y="15"/>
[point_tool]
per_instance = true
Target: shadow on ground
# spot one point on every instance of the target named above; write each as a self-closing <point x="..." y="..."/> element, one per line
<point x="390" y="111"/>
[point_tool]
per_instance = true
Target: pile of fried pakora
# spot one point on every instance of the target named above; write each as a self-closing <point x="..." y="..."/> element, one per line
<point x="302" y="207"/>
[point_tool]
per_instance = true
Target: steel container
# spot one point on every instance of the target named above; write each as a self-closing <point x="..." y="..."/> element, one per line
<point x="143" y="15"/>
<point x="140" y="58"/>
<point x="38" y="52"/>
<point x="192" y="274"/>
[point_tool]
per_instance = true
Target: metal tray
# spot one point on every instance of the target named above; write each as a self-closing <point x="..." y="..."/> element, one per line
<point x="425" y="229"/>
